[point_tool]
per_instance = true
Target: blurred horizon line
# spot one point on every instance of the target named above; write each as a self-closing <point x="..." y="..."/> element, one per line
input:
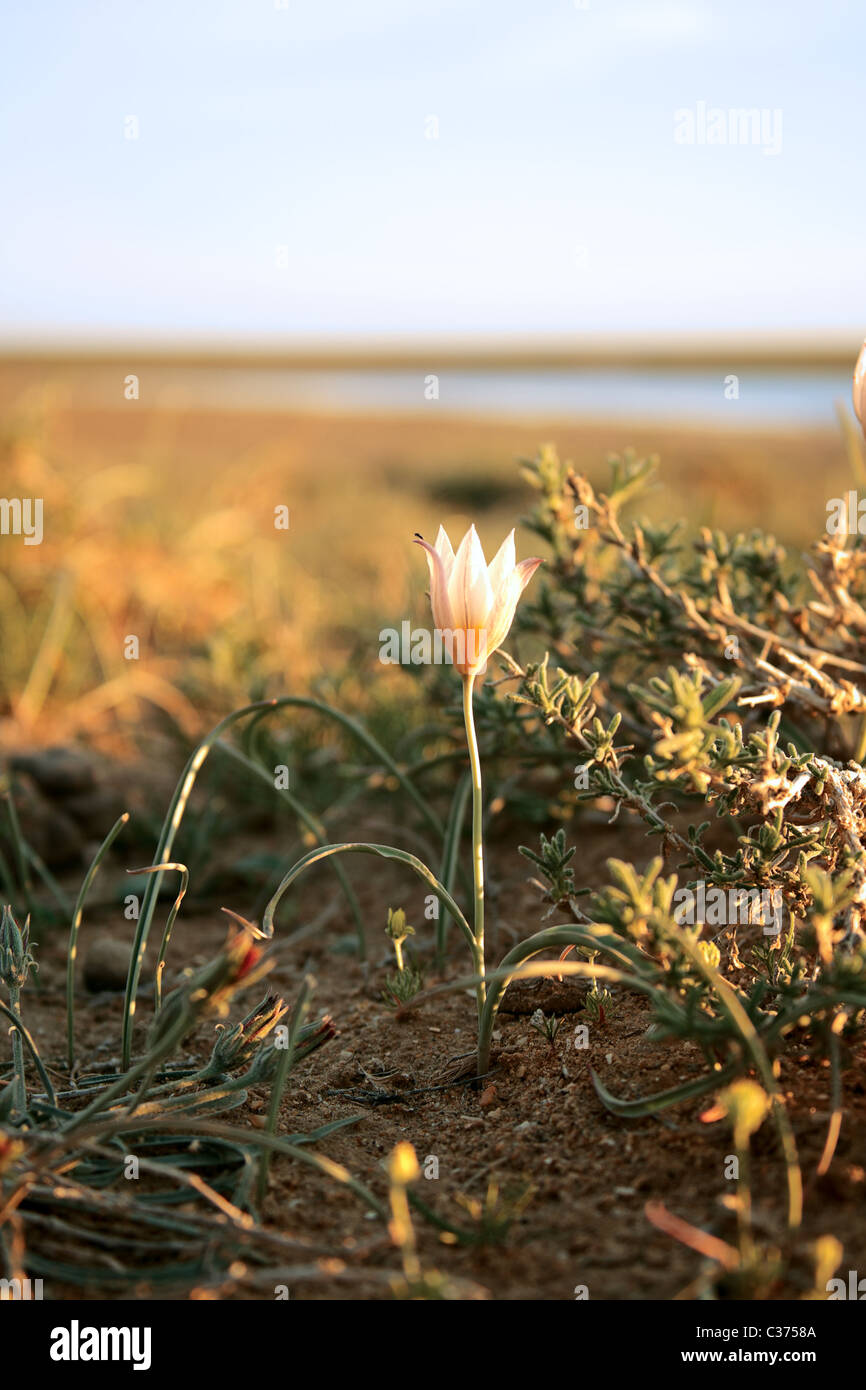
<point x="796" y="349"/>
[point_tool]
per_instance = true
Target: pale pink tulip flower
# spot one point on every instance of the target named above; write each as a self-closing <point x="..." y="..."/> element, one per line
<point x="474" y="603"/>
<point x="473" y="608"/>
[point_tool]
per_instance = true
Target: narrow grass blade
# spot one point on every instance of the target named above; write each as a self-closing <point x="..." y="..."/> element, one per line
<point x="284" y="1066"/>
<point x="651" y="1105"/>
<point x="72" y="951"/>
<point x="50" y="651"/>
<point x="835" y="1126"/>
<point x="169" y="923"/>
<point x="451" y="855"/>
<point x="313" y="825"/>
<point x="18" y="845"/>
<point x="15" y="1019"/>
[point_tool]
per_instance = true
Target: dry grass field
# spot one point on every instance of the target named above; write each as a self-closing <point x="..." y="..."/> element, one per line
<point x="160" y="524"/>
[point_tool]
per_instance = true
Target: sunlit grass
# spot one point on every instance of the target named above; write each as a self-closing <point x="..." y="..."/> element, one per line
<point x="160" y="525"/>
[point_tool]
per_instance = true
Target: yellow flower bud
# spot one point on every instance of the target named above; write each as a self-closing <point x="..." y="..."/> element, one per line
<point x="403" y="1165"/>
<point x="828" y="1252"/>
<point x="397" y="928"/>
<point x="746" y="1104"/>
<point x="710" y="952"/>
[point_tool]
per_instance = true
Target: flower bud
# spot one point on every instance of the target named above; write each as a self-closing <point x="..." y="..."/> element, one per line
<point x="398" y="928"/>
<point x="210" y="990"/>
<point x="710" y="953"/>
<point x="745" y="1103"/>
<point x="15" y="957"/>
<point x="264" y="1064"/>
<point x="238" y="1043"/>
<point x="403" y="1164"/>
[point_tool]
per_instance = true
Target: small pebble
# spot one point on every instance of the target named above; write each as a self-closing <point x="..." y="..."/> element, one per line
<point x="106" y="964"/>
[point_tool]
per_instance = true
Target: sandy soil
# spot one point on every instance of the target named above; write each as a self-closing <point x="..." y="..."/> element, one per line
<point x="536" y="1124"/>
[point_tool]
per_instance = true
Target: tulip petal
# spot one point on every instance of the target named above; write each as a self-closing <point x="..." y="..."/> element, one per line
<point x="439" y="601"/>
<point x="505" y="603"/>
<point x="469" y="591"/>
<point x="525" y="570"/>
<point x="502" y="564"/>
<point x="445" y="551"/>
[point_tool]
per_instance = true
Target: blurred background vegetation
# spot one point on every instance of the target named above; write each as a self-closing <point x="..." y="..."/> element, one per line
<point x="159" y="523"/>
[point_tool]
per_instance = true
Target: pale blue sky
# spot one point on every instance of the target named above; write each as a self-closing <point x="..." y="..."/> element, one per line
<point x="555" y="199"/>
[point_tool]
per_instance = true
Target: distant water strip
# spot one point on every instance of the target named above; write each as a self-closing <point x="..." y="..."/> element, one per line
<point x="752" y="396"/>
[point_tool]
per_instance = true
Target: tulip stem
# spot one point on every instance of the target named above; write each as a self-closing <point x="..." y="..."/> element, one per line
<point x="477" y="836"/>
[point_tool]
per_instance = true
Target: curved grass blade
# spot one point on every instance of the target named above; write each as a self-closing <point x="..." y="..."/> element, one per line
<point x="651" y="1105"/>
<point x="169" y="923"/>
<point x="323" y="1131"/>
<point x="525" y="969"/>
<point x="315" y="827"/>
<point x="180" y="799"/>
<point x="72" y="952"/>
<point x="260" y="1139"/>
<point x="384" y="852"/>
<point x="591" y="938"/>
